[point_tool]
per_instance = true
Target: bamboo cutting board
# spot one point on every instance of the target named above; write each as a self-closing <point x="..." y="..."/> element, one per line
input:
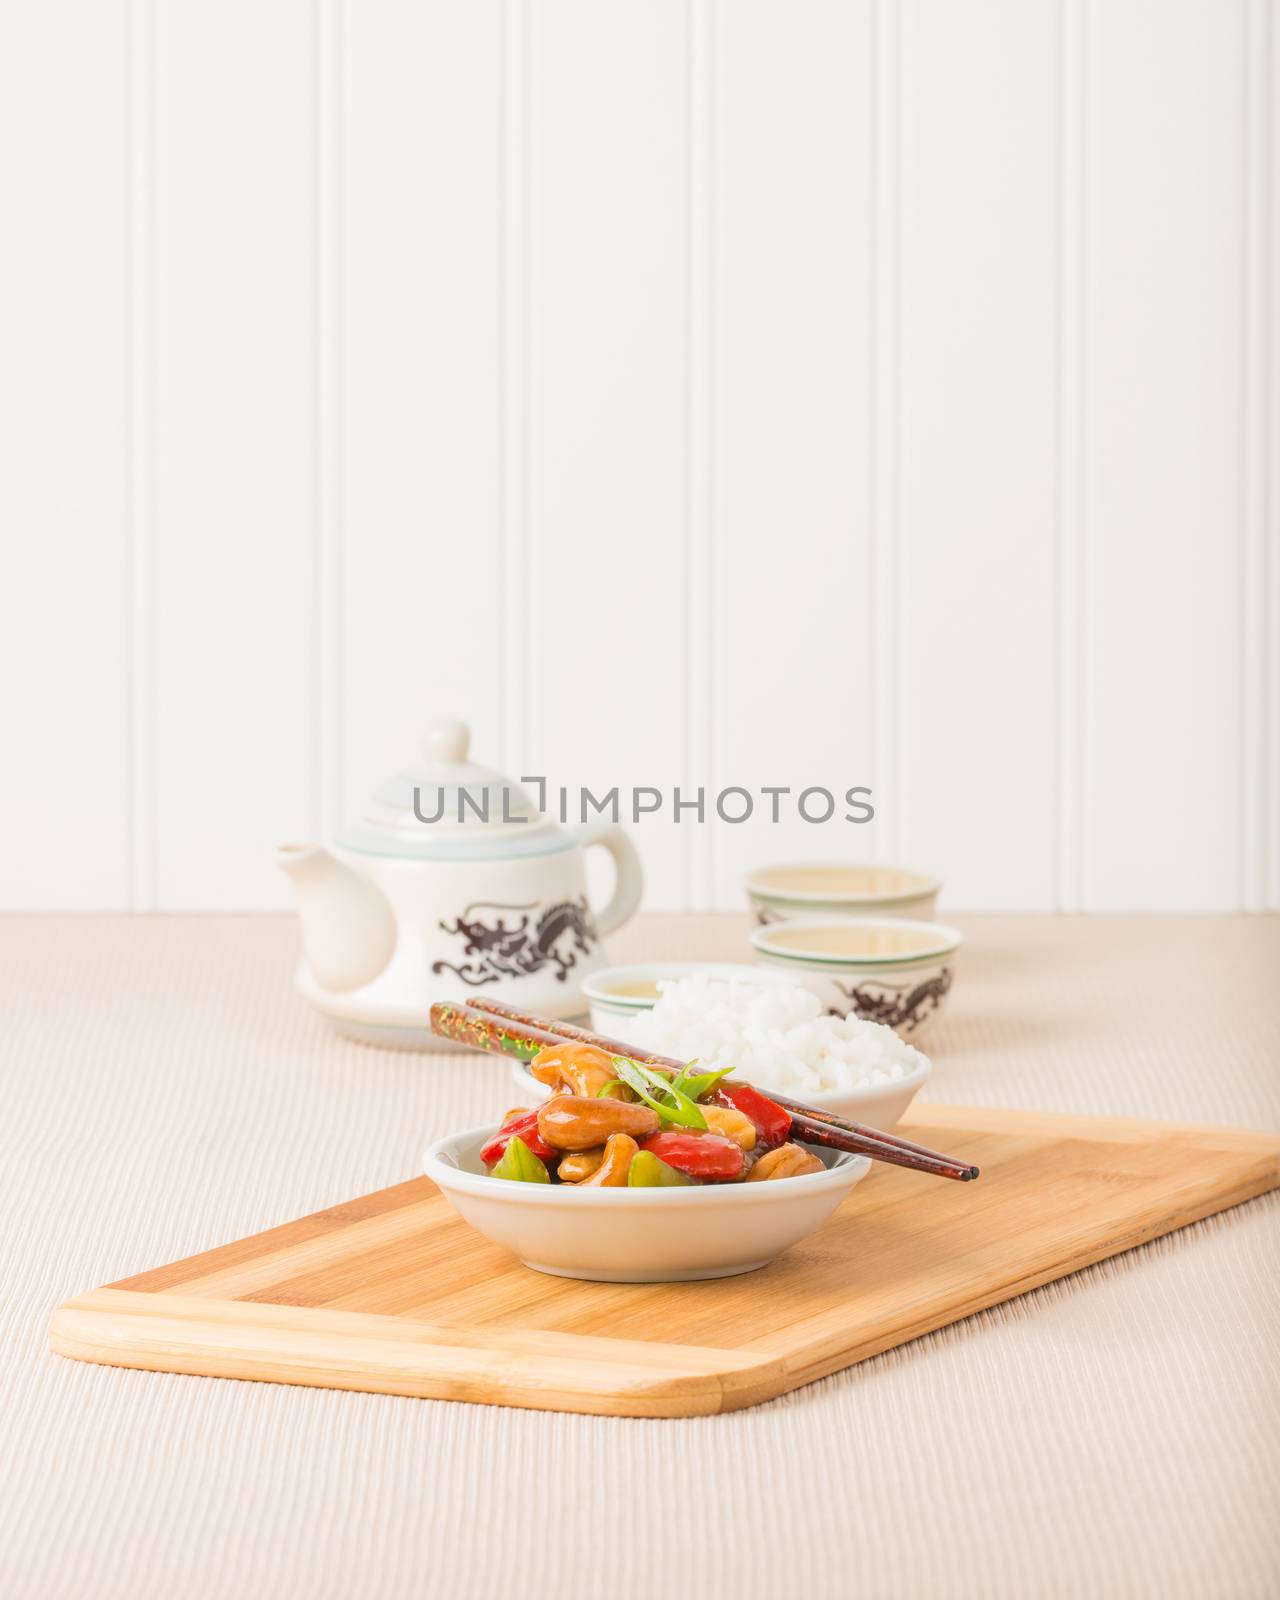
<point x="393" y="1293"/>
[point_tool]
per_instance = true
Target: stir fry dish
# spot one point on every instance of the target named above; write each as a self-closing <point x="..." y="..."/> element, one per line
<point x="613" y="1122"/>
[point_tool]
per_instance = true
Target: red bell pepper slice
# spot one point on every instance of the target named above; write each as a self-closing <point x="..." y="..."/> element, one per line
<point x="526" y="1125"/>
<point x="700" y="1155"/>
<point x="773" y="1122"/>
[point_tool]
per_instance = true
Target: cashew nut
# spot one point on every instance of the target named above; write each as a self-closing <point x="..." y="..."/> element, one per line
<point x="787" y="1161"/>
<point x="580" y="1166"/>
<point x="573" y="1122"/>
<point x="613" y="1170"/>
<point x="733" y="1124"/>
<point x="579" y="1068"/>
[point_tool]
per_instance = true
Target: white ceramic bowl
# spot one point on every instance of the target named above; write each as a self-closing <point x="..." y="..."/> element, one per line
<point x="638" y="1235"/>
<point x="878" y="1105"/>
<point x="801" y="891"/>
<point x="616" y="994"/>
<point x="887" y="970"/>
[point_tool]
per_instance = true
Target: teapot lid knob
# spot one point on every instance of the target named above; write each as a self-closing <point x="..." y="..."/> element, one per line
<point x="447" y="741"/>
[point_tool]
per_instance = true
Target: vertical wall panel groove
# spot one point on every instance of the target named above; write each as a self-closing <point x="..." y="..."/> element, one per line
<point x="1257" y="298"/>
<point x="887" y="461"/>
<point x="517" y="645"/>
<point x="1073" y="459"/>
<point x="141" y="451"/>
<point x="328" y="673"/>
<point x="529" y="373"/>
<point x="901" y="558"/>
<point x="1269" y="439"/>
<point x="701" y="763"/>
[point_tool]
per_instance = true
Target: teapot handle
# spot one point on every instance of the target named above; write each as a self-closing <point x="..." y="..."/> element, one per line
<point x="630" y="885"/>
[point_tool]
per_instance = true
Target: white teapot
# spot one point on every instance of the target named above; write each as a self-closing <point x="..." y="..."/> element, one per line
<point x="452" y="886"/>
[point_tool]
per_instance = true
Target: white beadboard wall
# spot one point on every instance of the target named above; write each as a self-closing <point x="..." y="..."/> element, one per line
<point x="683" y="391"/>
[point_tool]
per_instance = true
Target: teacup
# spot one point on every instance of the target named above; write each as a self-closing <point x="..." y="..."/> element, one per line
<point x="840" y="889"/>
<point x="888" y="970"/>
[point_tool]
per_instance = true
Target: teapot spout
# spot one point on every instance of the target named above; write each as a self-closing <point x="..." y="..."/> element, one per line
<point x="348" y="929"/>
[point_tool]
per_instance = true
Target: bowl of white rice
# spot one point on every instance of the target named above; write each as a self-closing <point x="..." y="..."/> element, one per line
<point x="776" y="1036"/>
<point x="617" y="995"/>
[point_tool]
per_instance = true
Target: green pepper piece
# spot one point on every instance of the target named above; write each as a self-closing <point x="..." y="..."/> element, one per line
<point x="648" y="1171"/>
<point x="520" y="1164"/>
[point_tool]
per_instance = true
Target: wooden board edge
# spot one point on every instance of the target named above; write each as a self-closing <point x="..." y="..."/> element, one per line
<point x="942" y="1115"/>
<point x="832" y="1355"/>
<point x="317" y="1348"/>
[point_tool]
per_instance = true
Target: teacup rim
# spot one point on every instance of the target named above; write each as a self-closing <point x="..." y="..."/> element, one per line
<point x="930" y="882"/>
<point x="947" y="944"/>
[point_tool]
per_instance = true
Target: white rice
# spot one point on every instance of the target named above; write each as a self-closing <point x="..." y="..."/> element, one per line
<point x="776" y="1036"/>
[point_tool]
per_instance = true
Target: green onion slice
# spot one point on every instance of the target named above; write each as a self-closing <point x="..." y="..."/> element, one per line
<point x="698" y="1084"/>
<point x="670" y="1102"/>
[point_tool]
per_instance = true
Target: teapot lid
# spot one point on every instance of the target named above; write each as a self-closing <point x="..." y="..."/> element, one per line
<point x="448" y="807"/>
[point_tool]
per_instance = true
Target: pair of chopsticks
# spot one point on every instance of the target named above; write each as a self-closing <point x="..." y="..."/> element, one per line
<point x="491" y="1025"/>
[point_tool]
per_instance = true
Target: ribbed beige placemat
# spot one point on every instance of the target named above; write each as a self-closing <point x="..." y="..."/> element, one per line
<point x="1114" y="1434"/>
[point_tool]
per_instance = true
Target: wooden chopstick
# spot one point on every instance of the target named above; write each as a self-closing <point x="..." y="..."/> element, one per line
<point x="508" y="1032"/>
<point x="798" y="1108"/>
